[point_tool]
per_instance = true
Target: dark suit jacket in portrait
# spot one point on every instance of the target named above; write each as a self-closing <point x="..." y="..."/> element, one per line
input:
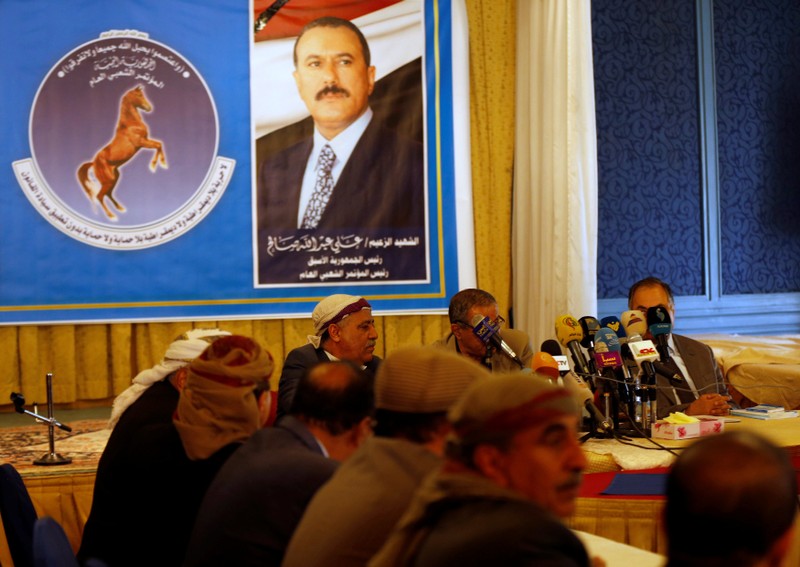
<point x="380" y="193"/>
<point x="257" y="499"/>
<point x="297" y="363"/>
<point x="381" y="186"/>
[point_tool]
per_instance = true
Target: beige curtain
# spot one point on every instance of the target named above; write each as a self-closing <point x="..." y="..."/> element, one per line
<point x="555" y="198"/>
<point x="96" y="362"/>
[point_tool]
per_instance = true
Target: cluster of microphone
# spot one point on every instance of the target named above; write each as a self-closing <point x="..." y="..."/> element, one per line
<point x="614" y="367"/>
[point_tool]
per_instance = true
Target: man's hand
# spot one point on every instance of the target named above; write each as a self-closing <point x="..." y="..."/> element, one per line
<point x="709" y="404"/>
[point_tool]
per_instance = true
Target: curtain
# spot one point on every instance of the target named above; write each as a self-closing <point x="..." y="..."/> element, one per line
<point x="554" y="239"/>
<point x="97" y="362"/>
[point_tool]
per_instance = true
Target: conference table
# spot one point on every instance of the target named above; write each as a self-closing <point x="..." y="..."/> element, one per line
<point x="636" y="519"/>
<point x="65" y="492"/>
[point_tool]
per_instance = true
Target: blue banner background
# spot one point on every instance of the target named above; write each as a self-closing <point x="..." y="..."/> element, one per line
<point x="47" y="276"/>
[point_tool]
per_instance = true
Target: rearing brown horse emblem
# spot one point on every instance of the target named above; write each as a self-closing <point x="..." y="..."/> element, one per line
<point x="129" y="138"/>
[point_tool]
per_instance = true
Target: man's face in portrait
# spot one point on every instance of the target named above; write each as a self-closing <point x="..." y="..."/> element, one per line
<point x="332" y="77"/>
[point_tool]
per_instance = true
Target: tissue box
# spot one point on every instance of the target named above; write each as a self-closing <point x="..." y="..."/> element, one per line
<point x="706" y="426"/>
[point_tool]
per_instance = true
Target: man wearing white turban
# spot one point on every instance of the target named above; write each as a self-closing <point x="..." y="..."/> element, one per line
<point x="151" y="399"/>
<point x="344" y="329"/>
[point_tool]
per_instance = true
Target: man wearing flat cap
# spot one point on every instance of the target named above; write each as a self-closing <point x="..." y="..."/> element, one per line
<point x="351" y="516"/>
<point x="512" y="470"/>
<point x="344" y="329"/>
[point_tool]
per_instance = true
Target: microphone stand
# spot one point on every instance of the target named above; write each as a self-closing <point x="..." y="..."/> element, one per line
<point x="594" y="427"/>
<point x="50" y="458"/>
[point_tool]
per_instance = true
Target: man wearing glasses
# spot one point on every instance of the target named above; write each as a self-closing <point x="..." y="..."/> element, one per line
<point x="704" y="390"/>
<point x="464" y="307"/>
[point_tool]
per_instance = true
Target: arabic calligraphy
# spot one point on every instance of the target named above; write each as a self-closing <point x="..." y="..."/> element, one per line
<point x="348" y="257"/>
<point x="127" y="58"/>
<point x="38" y="194"/>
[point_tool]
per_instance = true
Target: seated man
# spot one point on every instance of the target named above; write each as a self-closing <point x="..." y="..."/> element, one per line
<point x="343" y="330"/>
<point x="464" y="306"/>
<point x="254" y="504"/>
<point x="167" y="467"/>
<point x="513" y="468"/>
<point x="731" y="501"/>
<point x="703" y="392"/>
<point x="351" y="516"/>
<point x="150" y="400"/>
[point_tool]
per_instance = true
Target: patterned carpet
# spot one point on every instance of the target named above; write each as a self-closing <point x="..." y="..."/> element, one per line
<point x="20" y="446"/>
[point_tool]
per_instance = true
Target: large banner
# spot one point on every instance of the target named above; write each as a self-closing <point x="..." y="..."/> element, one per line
<point x="174" y="160"/>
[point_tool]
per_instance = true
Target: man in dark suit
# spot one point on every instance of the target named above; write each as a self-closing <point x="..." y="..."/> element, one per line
<point x="703" y="392"/>
<point x="344" y="329"/>
<point x="353" y="176"/>
<point x="258" y="497"/>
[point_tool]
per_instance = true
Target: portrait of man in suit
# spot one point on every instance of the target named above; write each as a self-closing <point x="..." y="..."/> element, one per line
<point x="353" y="178"/>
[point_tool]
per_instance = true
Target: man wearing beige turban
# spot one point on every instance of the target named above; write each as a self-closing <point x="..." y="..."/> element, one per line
<point x="151" y="399"/>
<point x="344" y="329"/>
<point x="168" y="467"/>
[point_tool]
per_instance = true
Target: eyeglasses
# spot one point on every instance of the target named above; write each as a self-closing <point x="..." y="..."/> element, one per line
<point x="496" y="324"/>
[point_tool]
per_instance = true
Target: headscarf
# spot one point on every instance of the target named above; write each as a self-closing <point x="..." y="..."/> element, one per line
<point x="333" y="309"/>
<point x="218" y="406"/>
<point x="182" y="350"/>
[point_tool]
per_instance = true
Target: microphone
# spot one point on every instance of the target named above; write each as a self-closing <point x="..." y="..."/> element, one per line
<point x="660" y="325"/>
<point x="569" y="334"/>
<point x="633" y="322"/>
<point x="551" y="347"/>
<point x="581" y="391"/>
<point x="660" y="368"/>
<point x="485" y="331"/>
<point x="19" y="407"/>
<point x="19" y="402"/>
<point x="545" y="366"/>
<point x="590" y="326"/>
<point x="610" y="361"/>
<point x="644" y="353"/>
<point x="667" y="372"/>
<point x="612" y="322"/>
<point x="607" y="349"/>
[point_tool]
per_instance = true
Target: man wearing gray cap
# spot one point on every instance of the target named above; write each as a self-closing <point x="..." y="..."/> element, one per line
<point x="513" y="468"/>
<point x="351" y="516"/>
<point x="344" y="329"/>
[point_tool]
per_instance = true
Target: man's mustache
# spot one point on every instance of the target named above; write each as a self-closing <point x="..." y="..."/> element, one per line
<point x="332" y="90"/>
